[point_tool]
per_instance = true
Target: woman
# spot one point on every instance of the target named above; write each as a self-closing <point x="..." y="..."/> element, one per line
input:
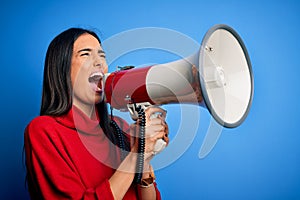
<point x="73" y="147"/>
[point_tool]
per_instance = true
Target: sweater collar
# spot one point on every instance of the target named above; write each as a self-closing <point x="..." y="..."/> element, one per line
<point x="76" y="119"/>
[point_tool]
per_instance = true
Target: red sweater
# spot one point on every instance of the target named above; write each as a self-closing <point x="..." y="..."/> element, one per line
<point x="69" y="157"/>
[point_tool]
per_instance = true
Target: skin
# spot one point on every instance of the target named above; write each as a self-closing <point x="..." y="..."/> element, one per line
<point x="88" y="57"/>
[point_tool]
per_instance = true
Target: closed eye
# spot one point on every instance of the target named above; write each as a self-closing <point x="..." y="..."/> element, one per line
<point x="101" y="54"/>
<point x="85" y="54"/>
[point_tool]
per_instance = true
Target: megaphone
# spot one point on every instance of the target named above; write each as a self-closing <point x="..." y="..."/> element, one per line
<point x="217" y="77"/>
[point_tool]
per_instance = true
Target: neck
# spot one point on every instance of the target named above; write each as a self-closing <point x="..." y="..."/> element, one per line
<point x="87" y="109"/>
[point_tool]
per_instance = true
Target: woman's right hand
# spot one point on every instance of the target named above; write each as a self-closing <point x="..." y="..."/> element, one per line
<point x="156" y="128"/>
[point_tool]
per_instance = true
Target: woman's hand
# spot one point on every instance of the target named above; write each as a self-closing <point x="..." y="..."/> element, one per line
<point x="156" y="128"/>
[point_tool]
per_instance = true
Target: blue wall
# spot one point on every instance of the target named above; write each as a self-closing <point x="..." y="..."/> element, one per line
<point x="258" y="160"/>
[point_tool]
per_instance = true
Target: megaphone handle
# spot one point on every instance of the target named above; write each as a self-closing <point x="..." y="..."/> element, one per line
<point x="141" y="145"/>
<point x="160" y="143"/>
<point x="139" y="110"/>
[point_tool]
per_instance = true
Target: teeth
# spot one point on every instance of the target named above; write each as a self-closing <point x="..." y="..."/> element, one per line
<point x="97" y="74"/>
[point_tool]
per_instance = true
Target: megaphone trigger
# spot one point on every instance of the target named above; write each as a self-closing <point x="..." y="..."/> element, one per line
<point x="156" y="115"/>
<point x="158" y="112"/>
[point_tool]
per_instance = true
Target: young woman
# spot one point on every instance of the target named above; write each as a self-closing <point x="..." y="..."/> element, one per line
<point x="73" y="148"/>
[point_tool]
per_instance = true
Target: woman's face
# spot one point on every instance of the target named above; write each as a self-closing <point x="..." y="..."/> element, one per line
<point x="87" y="69"/>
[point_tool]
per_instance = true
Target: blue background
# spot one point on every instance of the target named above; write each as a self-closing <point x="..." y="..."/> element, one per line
<point x="258" y="160"/>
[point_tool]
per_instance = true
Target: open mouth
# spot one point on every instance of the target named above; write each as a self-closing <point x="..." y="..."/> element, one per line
<point x="95" y="81"/>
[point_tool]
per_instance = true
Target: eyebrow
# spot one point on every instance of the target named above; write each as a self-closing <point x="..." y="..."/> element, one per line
<point x="88" y="49"/>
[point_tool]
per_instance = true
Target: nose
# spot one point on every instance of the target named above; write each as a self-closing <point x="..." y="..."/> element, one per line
<point x="101" y="65"/>
<point x="99" y="62"/>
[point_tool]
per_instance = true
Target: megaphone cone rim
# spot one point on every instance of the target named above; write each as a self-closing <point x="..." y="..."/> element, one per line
<point x="207" y="102"/>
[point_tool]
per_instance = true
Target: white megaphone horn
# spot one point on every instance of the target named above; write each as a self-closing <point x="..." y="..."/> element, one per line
<point x="217" y="77"/>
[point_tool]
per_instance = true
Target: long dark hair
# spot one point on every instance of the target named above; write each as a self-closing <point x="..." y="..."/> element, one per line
<point x="57" y="86"/>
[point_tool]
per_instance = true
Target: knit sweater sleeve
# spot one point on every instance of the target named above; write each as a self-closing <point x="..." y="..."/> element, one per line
<point x="51" y="174"/>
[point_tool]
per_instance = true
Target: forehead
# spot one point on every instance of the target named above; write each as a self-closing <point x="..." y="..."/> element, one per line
<point x="86" y="41"/>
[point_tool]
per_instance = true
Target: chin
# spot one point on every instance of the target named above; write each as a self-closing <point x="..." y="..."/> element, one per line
<point x="98" y="99"/>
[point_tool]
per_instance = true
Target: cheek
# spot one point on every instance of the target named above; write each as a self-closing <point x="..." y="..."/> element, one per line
<point x="105" y="70"/>
<point x="75" y="67"/>
<point x="74" y="73"/>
